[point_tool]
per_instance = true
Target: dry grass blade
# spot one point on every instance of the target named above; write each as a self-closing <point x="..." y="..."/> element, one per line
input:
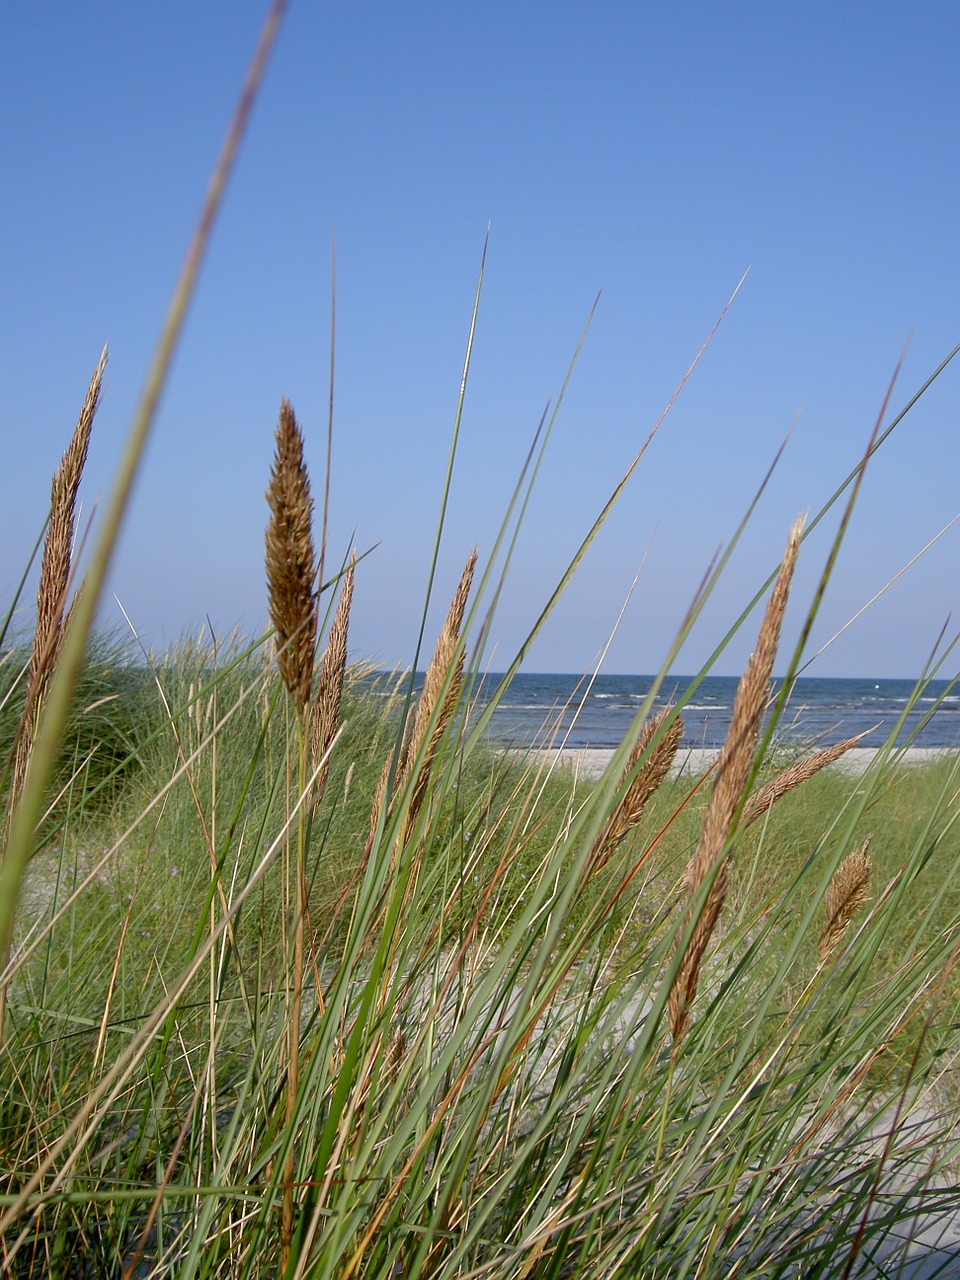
<point x="55" y="569"/>
<point x="379" y="798"/>
<point x="448" y="651"/>
<point x="442" y="685"/>
<point x="326" y="707"/>
<point x="732" y="775"/>
<point x="635" y="797"/>
<point x="291" y="566"/>
<point x="684" y="991"/>
<point x="767" y="796"/>
<point x="846" y="892"/>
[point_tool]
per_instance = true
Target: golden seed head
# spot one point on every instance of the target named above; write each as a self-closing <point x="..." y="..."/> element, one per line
<point x="733" y="772"/>
<point x="326" y="708"/>
<point x="56" y="565"/>
<point x="58" y="545"/>
<point x="291" y="565"/>
<point x="846" y="892"/>
<point x="634" y="799"/>
<point x="768" y="795"/>
<point x="445" y="672"/>
<point x="736" y="756"/>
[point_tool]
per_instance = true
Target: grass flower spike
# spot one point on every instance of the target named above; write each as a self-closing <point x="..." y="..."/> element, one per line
<point x="847" y="891"/>
<point x="291" y="574"/>
<point x="55" y="570"/>
<point x="732" y="775"/>
<point x="635" y="798"/>
<point x="434" y="707"/>
<point x="441" y="686"/>
<point x="291" y="566"/>
<point x="767" y="796"/>
<point x="333" y="668"/>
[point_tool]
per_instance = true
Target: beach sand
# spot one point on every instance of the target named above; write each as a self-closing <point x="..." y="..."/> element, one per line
<point x="588" y="762"/>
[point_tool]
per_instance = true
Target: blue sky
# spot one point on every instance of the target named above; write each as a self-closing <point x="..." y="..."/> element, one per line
<point x="652" y="152"/>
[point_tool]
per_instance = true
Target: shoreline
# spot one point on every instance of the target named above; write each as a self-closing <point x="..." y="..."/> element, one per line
<point x="692" y="762"/>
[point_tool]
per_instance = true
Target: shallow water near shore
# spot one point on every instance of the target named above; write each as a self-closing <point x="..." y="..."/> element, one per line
<point x="598" y="713"/>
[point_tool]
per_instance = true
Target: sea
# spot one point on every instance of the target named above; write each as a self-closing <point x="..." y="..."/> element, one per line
<point x="572" y="711"/>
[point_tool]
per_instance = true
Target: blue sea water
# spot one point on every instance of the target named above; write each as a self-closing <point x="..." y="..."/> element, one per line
<point x="548" y="709"/>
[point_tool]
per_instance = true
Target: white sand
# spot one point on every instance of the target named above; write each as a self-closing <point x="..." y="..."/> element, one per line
<point x="589" y="762"/>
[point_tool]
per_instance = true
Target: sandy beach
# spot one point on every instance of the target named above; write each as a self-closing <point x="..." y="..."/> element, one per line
<point x="590" y="762"/>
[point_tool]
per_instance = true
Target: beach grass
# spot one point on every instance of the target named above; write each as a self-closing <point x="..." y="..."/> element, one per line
<point x="470" y="935"/>
<point x="302" y="976"/>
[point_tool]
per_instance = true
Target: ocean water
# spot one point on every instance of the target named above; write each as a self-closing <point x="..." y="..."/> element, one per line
<point x="548" y="709"/>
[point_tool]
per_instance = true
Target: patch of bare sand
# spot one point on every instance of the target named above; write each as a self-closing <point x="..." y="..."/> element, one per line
<point x="590" y="762"/>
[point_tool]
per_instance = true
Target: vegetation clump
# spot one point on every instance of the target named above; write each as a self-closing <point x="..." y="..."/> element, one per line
<point x="300" y="975"/>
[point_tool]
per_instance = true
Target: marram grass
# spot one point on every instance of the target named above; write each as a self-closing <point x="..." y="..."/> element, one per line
<point x="322" y="985"/>
<point x="489" y="1075"/>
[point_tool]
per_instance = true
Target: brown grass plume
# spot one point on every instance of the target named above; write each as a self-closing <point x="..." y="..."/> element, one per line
<point x="765" y="797"/>
<point x="848" y="890"/>
<point x="635" y="796"/>
<point x="55" y="572"/>
<point x="291" y="566"/>
<point x="442" y="686"/>
<point x="732" y="774"/>
<point x="442" y="683"/>
<point x="333" y="668"/>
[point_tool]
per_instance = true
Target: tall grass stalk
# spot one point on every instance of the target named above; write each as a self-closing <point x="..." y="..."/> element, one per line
<point x="729" y="789"/>
<point x="291" y="576"/>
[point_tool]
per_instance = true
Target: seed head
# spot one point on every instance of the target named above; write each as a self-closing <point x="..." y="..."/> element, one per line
<point x="290" y="560"/>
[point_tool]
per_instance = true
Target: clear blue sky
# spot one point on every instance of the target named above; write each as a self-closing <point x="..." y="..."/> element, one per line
<point x="653" y="152"/>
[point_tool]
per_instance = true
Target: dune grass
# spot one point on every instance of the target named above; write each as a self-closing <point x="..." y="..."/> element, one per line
<point x="302" y="978"/>
<point x="494" y="1072"/>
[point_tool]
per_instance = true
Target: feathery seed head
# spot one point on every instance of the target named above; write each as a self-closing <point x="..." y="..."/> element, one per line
<point x="445" y="670"/>
<point x="768" y="795"/>
<point x="629" y="809"/>
<point x="326" y="708"/>
<point x="55" y="568"/>
<point x="733" y="771"/>
<point x="434" y="707"/>
<point x="57" y="546"/>
<point x="684" y="990"/>
<point x="736" y="756"/>
<point x="847" y="890"/>
<point x="290" y="560"/>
